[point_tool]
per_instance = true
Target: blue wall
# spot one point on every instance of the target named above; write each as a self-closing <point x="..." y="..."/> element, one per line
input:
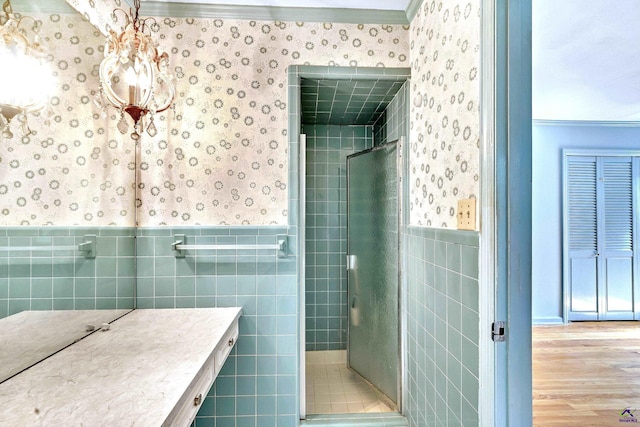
<point x="549" y="139"/>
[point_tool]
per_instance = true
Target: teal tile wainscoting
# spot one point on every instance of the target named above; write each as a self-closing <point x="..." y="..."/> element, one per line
<point x="54" y="279"/>
<point x="258" y="385"/>
<point x="442" y="328"/>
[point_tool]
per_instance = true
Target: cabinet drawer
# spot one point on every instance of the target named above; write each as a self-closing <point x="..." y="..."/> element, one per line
<point x="185" y="412"/>
<point x="224" y="347"/>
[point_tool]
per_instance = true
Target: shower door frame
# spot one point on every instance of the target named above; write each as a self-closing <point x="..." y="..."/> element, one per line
<point x="400" y="230"/>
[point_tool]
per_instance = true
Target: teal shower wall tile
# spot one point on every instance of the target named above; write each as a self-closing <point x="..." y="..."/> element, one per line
<point x="470" y="321"/>
<point x="106" y="266"/>
<point x="18" y="305"/>
<point x="165" y="286"/>
<point x="453" y="257"/>
<point x="246" y="365"/>
<point x="249" y="304"/>
<point x="19" y="288"/>
<point x="469" y="292"/>
<point x="106" y="303"/>
<point x="126" y="267"/>
<point x="41" y="267"/>
<point x="205" y="301"/>
<point x="164" y="266"/>
<point x="42" y="287"/>
<point x="126" y="287"/>
<point x="106" y="287"/>
<point x="165" y="302"/>
<point x="62" y="288"/>
<point x="4" y="307"/>
<point x="246" y="386"/>
<point x="225" y="406"/>
<point x="85" y="288"/>
<point x="126" y="246"/>
<point x="19" y="267"/>
<point x="145" y="266"/>
<point x="44" y="304"/>
<point x="145" y="246"/>
<point x="440" y="253"/>
<point x="186" y="287"/>
<point x="469" y="261"/>
<point x="454" y="285"/>
<point x="106" y="246"/>
<point x="85" y="268"/>
<point x="469" y="383"/>
<point x="248" y="323"/>
<point x="126" y="303"/>
<point x="63" y="267"/>
<point x="60" y="304"/>
<point x="85" y="303"/>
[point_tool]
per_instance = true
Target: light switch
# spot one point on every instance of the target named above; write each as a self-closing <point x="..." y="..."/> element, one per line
<point x="466" y="214"/>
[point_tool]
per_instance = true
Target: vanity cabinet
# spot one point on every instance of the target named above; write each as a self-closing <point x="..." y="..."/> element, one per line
<point x="148" y="368"/>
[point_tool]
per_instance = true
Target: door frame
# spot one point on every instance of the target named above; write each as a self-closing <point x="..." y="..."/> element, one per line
<point x="586" y="152"/>
<point x="507" y="92"/>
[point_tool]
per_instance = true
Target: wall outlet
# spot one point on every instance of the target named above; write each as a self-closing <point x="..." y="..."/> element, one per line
<point x="466" y="214"/>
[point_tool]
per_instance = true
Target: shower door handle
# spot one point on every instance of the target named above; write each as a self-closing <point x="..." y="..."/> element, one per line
<point x="351" y="262"/>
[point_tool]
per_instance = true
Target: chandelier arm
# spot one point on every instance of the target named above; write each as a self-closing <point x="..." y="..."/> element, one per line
<point x="6" y="7"/>
<point x="124" y="12"/>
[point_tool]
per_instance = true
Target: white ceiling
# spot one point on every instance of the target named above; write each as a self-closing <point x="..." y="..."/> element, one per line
<point x="586" y="60"/>
<point x="338" y="4"/>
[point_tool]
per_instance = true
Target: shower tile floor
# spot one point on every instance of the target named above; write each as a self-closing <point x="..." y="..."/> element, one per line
<point x="334" y="389"/>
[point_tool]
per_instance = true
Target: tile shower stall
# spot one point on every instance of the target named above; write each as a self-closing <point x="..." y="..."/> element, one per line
<point x="343" y="117"/>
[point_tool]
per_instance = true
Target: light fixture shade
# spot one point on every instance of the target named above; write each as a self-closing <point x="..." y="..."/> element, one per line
<point x="134" y="77"/>
<point x="26" y="81"/>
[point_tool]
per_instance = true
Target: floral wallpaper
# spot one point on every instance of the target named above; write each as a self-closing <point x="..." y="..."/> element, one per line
<point x="445" y="117"/>
<point x="219" y="158"/>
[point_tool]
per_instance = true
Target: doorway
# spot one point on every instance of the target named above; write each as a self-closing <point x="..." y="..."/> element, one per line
<point x="339" y="115"/>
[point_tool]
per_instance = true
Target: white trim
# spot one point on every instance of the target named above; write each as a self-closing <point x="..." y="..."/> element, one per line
<point x="487" y="271"/>
<point x="598" y="123"/>
<point x="598" y="152"/>
<point x="302" y="174"/>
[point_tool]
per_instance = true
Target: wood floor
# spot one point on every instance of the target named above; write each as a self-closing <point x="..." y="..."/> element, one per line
<point x="586" y="374"/>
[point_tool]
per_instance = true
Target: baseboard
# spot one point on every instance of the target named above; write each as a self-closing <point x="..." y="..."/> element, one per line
<point x="554" y="320"/>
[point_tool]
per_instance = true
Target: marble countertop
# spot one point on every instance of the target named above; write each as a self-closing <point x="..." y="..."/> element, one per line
<point x="30" y="336"/>
<point x="133" y="374"/>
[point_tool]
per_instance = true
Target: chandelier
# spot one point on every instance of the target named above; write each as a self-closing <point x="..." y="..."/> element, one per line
<point x="26" y="81"/>
<point x="134" y="77"/>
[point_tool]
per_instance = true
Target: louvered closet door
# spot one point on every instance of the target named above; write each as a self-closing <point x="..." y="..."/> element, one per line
<point x="616" y="245"/>
<point x="600" y="201"/>
<point x="581" y="175"/>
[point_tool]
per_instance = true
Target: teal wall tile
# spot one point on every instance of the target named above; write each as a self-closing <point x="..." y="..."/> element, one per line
<point x="442" y="329"/>
<point x="65" y="278"/>
<point x="256" y="280"/>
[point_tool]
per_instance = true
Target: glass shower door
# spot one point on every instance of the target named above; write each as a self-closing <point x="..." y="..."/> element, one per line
<point x="373" y="279"/>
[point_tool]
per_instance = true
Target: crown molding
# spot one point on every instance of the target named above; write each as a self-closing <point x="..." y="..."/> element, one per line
<point x="412" y="9"/>
<point x="49" y="6"/>
<point x="598" y="123"/>
<point x="273" y="13"/>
